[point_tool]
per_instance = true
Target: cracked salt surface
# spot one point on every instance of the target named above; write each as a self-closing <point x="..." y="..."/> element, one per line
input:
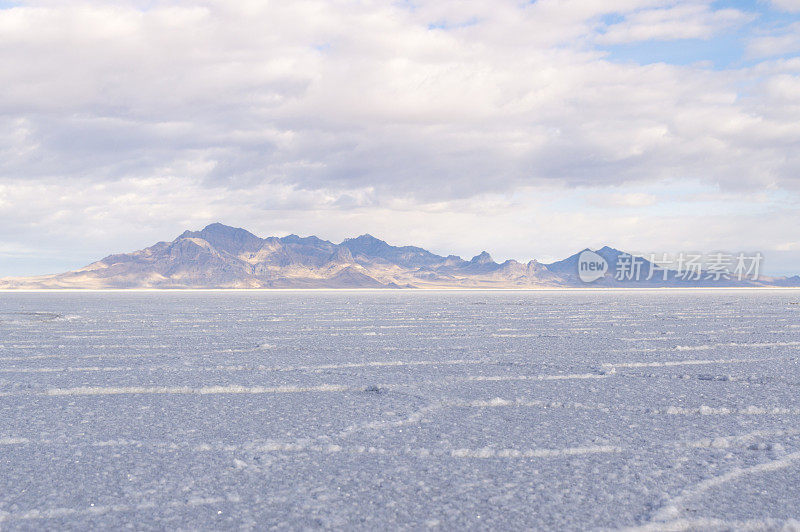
<point x="645" y="410"/>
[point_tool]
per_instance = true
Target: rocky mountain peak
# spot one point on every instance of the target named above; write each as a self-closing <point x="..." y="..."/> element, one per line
<point x="482" y="258"/>
<point x="232" y="240"/>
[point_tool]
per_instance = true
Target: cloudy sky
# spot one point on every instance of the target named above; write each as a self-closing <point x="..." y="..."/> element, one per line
<point x="530" y="129"/>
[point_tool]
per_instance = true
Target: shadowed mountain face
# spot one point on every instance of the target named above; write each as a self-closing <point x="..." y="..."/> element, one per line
<point x="367" y="247"/>
<point x="220" y="256"/>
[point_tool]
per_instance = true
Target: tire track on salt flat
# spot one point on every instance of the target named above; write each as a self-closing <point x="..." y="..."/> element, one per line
<point x="98" y="510"/>
<point x="722" y="525"/>
<point x="671" y="511"/>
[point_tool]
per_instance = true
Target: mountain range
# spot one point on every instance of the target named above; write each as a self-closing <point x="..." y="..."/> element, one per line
<point x="220" y="256"/>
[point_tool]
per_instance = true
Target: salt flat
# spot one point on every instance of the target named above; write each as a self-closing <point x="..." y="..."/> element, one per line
<point x="400" y="409"/>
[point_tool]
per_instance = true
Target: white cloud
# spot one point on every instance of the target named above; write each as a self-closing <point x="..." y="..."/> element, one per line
<point x="680" y="21"/>
<point x="786" y="5"/>
<point x="627" y="199"/>
<point x="317" y="94"/>
<point x="783" y="41"/>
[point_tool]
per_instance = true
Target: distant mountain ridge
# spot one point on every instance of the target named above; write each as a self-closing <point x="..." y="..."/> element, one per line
<point x="220" y="256"/>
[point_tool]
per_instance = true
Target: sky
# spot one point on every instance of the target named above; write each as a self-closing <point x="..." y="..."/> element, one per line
<point x="527" y="129"/>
